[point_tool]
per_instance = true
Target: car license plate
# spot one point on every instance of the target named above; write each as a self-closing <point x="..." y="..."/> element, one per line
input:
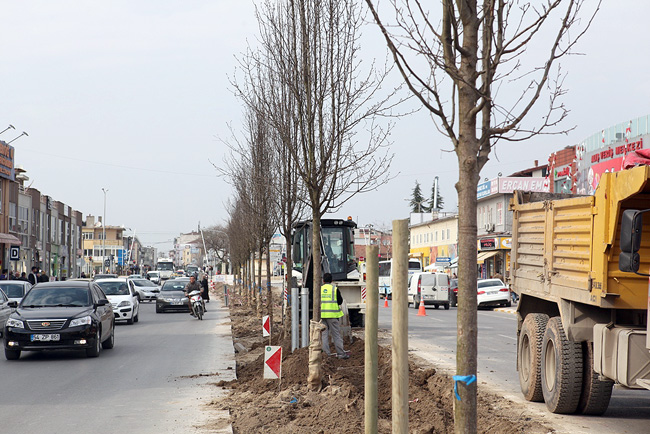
<point x="46" y="338"/>
<point x="493" y="292"/>
<point x="178" y="302"/>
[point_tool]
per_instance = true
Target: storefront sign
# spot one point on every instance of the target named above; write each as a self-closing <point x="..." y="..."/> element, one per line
<point x="7" y="161"/>
<point x="506" y="243"/>
<point x="488" y="244"/>
<point x="483" y="189"/>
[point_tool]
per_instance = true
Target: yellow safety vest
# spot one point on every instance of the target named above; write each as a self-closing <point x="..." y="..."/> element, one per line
<point x="329" y="308"/>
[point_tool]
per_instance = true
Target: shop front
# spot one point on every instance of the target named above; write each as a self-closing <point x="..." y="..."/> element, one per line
<point x="493" y="257"/>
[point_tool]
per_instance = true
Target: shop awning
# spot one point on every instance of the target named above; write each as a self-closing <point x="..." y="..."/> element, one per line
<point x="9" y="239"/>
<point x="482" y="256"/>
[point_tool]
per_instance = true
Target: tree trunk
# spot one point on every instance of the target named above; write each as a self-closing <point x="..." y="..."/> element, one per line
<point x="269" y="295"/>
<point x="258" y="290"/>
<point x="315" y="353"/>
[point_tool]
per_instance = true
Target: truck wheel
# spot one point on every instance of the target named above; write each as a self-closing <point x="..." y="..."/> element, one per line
<point x="356" y="318"/>
<point x="595" y="393"/>
<point x="561" y="369"/>
<point x="416" y="303"/>
<point x="529" y="356"/>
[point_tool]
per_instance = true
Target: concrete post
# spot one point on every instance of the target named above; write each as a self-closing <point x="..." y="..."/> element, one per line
<point x="295" y="320"/>
<point x="225" y="294"/>
<point x="304" y="301"/>
<point x="371" y="356"/>
<point x="400" y="399"/>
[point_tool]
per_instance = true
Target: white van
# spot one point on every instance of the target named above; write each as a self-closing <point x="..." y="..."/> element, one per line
<point x="432" y="288"/>
<point x="386" y="274"/>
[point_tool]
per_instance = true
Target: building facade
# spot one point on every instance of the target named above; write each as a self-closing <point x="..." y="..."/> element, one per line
<point x="435" y="240"/>
<point x="101" y="256"/>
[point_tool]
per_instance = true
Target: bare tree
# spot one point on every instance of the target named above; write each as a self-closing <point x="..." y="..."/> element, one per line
<point x="455" y="66"/>
<point x="312" y="49"/>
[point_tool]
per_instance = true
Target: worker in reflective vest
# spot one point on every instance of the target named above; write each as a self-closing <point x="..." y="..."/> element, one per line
<point x="330" y="312"/>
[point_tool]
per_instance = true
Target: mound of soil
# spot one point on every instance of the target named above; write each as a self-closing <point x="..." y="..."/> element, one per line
<point x="287" y="406"/>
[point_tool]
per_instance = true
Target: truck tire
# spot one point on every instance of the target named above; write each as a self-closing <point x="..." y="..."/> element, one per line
<point x="596" y="393"/>
<point x="356" y="318"/>
<point x="529" y="356"/>
<point x="561" y="369"/>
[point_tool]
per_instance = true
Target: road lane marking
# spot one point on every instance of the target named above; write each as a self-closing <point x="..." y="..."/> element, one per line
<point x="508" y="337"/>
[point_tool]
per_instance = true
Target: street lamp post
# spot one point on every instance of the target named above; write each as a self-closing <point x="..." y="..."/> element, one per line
<point x="105" y="190"/>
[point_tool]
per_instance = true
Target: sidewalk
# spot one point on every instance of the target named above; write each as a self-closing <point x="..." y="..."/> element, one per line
<point x="224" y="367"/>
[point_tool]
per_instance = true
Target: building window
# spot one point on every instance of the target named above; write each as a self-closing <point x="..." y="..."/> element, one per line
<point x="23" y="219"/>
<point x="500" y="213"/>
<point x="13" y="227"/>
<point x="448" y="234"/>
<point x="87" y="235"/>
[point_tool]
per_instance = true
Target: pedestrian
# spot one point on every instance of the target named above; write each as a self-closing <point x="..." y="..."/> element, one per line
<point x="43" y="277"/>
<point x="330" y="313"/>
<point x="3" y="276"/>
<point x="204" y="284"/>
<point x="33" y="278"/>
<point x="23" y="277"/>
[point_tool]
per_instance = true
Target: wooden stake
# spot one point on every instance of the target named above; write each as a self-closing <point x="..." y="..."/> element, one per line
<point x="372" y="311"/>
<point x="399" y="287"/>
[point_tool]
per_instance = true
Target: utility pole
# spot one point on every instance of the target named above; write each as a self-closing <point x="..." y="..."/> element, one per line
<point x="104" y="231"/>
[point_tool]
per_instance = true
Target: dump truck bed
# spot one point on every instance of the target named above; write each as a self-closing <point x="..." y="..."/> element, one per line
<point x="567" y="247"/>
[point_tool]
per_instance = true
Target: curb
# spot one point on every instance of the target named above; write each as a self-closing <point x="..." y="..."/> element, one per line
<point x="510" y="310"/>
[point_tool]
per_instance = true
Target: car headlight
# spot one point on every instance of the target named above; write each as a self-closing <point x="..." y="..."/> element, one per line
<point x="124" y="303"/>
<point x="85" y="320"/>
<point x="167" y="299"/>
<point x="11" y="322"/>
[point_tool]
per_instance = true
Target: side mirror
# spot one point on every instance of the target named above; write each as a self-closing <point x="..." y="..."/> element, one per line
<point x="13" y="304"/>
<point x="102" y="302"/>
<point x="631" y="230"/>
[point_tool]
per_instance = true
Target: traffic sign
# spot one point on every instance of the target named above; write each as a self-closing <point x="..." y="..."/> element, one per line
<point x="14" y="253"/>
<point x="266" y="326"/>
<point x="273" y="362"/>
<point x="107" y="262"/>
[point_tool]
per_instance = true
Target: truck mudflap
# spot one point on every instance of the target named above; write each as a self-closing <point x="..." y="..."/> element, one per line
<point x="620" y="354"/>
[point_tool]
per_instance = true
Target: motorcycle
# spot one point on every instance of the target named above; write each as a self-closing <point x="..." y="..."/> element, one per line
<point x="197" y="303"/>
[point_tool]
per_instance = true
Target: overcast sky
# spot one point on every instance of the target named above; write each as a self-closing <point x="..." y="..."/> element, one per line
<point x="134" y="97"/>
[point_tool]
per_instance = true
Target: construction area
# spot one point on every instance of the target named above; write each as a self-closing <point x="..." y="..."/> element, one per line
<point x="288" y="406"/>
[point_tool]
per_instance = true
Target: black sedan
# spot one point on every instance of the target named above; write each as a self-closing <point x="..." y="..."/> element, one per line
<point x="172" y="295"/>
<point x="71" y="315"/>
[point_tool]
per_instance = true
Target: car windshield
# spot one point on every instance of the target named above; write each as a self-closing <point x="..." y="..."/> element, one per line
<point x="488" y="283"/>
<point x="153" y="274"/>
<point x="143" y="282"/>
<point x="13" y="290"/>
<point x="58" y="296"/>
<point x="175" y="285"/>
<point x="114" y="288"/>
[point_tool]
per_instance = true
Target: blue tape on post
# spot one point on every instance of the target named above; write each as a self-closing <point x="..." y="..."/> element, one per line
<point x="467" y="379"/>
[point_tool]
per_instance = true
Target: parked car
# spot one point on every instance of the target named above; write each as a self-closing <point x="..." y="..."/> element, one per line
<point x="60" y="315"/>
<point x="154" y="276"/>
<point x="432" y="288"/>
<point x="171" y="295"/>
<point x="492" y="292"/>
<point x="5" y="311"/>
<point x="123" y="298"/>
<point x="15" y="290"/>
<point x="145" y="289"/>
<point x="134" y="276"/>
<point x="104" y="276"/>
<point x="453" y="292"/>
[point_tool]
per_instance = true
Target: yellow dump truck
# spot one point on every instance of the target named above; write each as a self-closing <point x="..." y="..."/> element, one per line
<point x="580" y="266"/>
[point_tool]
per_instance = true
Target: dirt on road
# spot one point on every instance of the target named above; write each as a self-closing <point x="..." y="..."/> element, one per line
<point x="270" y="406"/>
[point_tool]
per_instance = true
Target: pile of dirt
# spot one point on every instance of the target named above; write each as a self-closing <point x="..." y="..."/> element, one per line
<point x="287" y="406"/>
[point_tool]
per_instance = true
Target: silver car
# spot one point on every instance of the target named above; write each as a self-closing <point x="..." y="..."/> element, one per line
<point x="145" y="289"/>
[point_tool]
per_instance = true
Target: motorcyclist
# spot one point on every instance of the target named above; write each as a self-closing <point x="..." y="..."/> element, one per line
<point x="193" y="285"/>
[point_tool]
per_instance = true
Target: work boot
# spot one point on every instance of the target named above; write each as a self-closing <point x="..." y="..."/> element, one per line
<point x="343" y="356"/>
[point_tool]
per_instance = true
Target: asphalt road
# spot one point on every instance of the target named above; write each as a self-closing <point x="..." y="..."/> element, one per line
<point x="434" y="338"/>
<point x="157" y="378"/>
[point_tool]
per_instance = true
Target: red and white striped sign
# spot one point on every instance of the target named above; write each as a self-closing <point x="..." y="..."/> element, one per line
<point x="272" y="362"/>
<point x="363" y="294"/>
<point x="266" y="326"/>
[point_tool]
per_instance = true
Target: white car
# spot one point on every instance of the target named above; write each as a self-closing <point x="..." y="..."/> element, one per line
<point x="154" y="276"/>
<point x="492" y="292"/>
<point x="123" y="298"/>
<point x="144" y="289"/>
<point x="432" y="288"/>
<point x="15" y="290"/>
